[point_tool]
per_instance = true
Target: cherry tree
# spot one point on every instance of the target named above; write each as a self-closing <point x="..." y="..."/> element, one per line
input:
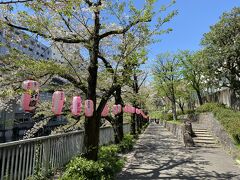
<point x="89" y="24"/>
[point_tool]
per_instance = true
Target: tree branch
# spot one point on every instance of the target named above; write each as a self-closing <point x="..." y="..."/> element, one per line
<point x="145" y="77"/>
<point x="105" y="98"/>
<point x="65" y="39"/>
<point x="74" y="82"/>
<point x="107" y="64"/>
<point x="14" y="2"/>
<point x="124" y="30"/>
<point x="89" y="3"/>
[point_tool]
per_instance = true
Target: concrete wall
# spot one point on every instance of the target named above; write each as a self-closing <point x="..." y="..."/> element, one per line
<point x="208" y="121"/>
<point x="224" y="96"/>
<point x="176" y="129"/>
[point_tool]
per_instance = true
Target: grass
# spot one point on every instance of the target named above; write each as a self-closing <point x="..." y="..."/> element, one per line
<point x="175" y="122"/>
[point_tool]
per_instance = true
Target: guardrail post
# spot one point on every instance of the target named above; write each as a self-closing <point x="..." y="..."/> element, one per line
<point x="46" y="157"/>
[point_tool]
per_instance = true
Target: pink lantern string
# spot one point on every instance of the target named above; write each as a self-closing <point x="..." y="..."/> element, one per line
<point x="105" y="111"/>
<point x="89" y="108"/>
<point x="132" y="110"/>
<point x="25" y="102"/>
<point x="117" y="109"/>
<point x="58" y="102"/>
<point x="137" y="111"/>
<point x="76" y="106"/>
<point x="30" y="97"/>
<point x="30" y="85"/>
<point x="126" y="109"/>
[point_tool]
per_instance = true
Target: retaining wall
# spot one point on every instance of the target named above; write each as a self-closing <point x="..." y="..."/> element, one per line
<point x="208" y="121"/>
<point x="175" y="129"/>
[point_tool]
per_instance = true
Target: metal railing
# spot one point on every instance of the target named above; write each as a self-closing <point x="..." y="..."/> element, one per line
<point x="21" y="159"/>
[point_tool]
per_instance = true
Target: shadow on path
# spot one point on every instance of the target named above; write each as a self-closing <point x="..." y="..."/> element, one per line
<point x="158" y="155"/>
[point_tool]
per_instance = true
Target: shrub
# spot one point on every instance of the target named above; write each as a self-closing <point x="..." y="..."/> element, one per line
<point x="229" y="119"/>
<point x="108" y="157"/>
<point x="127" y="143"/>
<point x="82" y="169"/>
<point x="105" y="168"/>
<point x="169" y="116"/>
<point x="209" y="107"/>
<point x="175" y="122"/>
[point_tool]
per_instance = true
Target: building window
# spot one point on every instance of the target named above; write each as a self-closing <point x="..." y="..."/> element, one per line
<point x="42" y="55"/>
<point x="37" y="53"/>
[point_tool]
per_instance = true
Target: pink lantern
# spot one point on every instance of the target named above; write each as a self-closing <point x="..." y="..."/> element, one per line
<point x="89" y="108"/>
<point x="117" y="109"/>
<point x="76" y="107"/>
<point x="105" y="111"/>
<point x="28" y="102"/>
<point x="30" y="85"/>
<point x="138" y="111"/>
<point x="128" y="109"/>
<point x="125" y="109"/>
<point x="132" y="109"/>
<point x="58" y="102"/>
<point x="25" y="102"/>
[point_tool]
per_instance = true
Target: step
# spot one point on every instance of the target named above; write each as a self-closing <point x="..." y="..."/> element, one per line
<point x="207" y="145"/>
<point x="205" y="141"/>
<point x="200" y="130"/>
<point x="203" y="138"/>
<point x="203" y="135"/>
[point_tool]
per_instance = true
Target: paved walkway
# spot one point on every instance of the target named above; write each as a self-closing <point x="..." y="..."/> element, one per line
<point x="158" y="155"/>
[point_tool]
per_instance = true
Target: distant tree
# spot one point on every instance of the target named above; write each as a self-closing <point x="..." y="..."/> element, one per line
<point x="166" y="77"/>
<point x="192" y="69"/>
<point x="222" y="50"/>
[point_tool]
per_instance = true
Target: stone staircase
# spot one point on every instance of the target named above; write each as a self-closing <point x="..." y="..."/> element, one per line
<point x="204" y="138"/>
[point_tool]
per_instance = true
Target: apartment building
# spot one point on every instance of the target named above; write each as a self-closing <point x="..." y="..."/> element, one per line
<point x="23" y="43"/>
<point x="14" y="123"/>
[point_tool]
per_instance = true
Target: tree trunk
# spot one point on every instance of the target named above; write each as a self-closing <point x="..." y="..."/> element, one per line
<point x="181" y="106"/>
<point x="133" y="124"/>
<point x="174" y="111"/>
<point x="91" y="137"/>
<point x="138" y="124"/>
<point x="134" y="116"/>
<point x="173" y="100"/>
<point x="119" y="117"/>
<point x="199" y="97"/>
<point x="119" y="128"/>
<point x="141" y="122"/>
<point x="92" y="124"/>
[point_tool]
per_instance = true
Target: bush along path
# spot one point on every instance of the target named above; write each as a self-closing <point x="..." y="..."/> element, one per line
<point x="110" y="161"/>
<point x="158" y="155"/>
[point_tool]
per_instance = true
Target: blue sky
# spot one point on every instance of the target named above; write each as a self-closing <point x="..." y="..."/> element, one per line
<point x="194" y="19"/>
